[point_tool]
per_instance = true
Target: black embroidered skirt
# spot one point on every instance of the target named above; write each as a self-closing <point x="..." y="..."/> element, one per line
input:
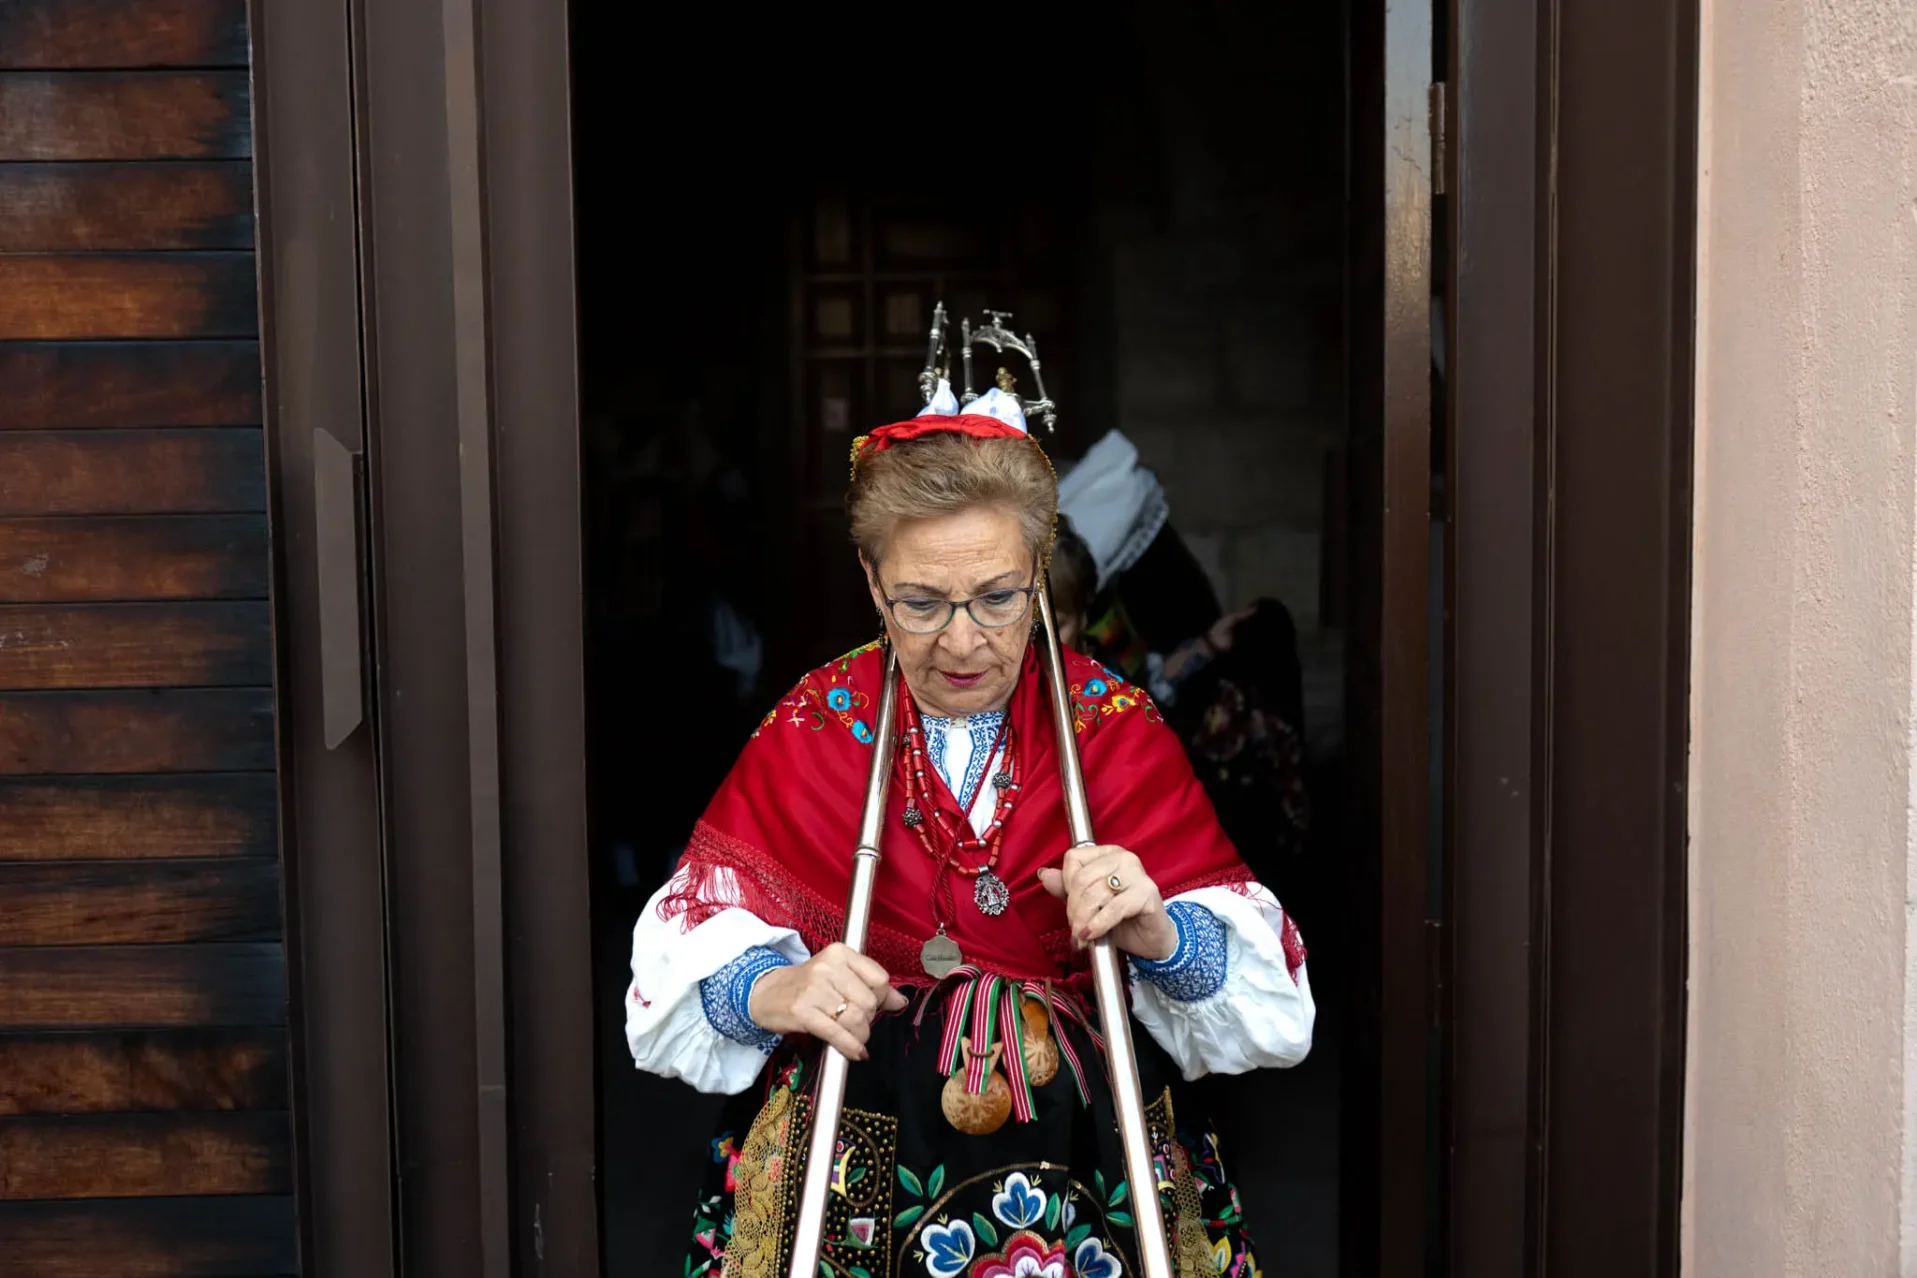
<point x="914" y="1196"/>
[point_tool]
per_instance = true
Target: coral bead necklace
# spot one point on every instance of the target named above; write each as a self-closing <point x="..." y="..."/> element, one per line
<point x="923" y="813"/>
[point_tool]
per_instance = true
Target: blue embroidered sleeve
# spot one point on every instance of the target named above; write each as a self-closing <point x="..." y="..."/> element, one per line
<point x="1196" y="969"/>
<point x="727" y="997"/>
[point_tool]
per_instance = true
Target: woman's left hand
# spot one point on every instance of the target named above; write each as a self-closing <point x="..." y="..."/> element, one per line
<point x="1131" y="912"/>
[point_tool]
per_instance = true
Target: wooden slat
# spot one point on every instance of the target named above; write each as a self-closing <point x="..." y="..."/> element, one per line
<point x="144" y="1155"/>
<point x="87" y="818"/>
<point x="138" y="902"/>
<point x="128" y="115"/>
<point x="132" y="472"/>
<point x="114" y="1073"/>
<point x="142" y="985"/>
<point x="171" y="730"/>
<point x="86" y="385"/>
<point x="68" y="208"/>
<point x="156" y="1238"/>
<point x="123" y="559"/>
<point x="67" y="296"/>
<point x="156" y="645"/>
<point x="103" y="34"/>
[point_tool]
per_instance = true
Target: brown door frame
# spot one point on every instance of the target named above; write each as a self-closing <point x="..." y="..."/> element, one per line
<point x="330" y="825"/>
<point x="437" y="858"/>
<point x="465" y="189"/>
<point x="1387" y="676"/>
<point x="527" y="117"/>
<point x="1498" y="461"/>
<point x="1622" y="263"/>
<point x="1569" y="646"/>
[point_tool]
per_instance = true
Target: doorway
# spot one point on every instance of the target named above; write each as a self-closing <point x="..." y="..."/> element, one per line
<point x="759" y="253"/>
<point x="1571" y="236"/>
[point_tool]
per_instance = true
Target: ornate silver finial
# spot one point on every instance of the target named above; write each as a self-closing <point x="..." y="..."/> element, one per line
<point x="935" y="371"/>
<point x="1001" y="339"/>
<point x="997" y="335"/>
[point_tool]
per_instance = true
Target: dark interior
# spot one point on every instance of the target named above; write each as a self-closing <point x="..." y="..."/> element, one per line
<point x="763" y="228"/>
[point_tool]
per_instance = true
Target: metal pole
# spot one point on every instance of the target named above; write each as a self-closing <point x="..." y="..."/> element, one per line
<point x="1108" y="982"/>
<point x="809" y="1239"/>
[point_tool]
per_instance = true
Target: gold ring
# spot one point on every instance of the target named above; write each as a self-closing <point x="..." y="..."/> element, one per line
<point x="840" y="1010"/>
<point x="1116" y="884"/>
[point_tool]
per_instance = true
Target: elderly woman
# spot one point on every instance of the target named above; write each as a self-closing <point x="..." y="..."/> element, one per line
<point x="979" y="1137"/>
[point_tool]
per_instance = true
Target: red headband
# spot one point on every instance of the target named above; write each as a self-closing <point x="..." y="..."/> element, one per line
<point x="977" y="425"/>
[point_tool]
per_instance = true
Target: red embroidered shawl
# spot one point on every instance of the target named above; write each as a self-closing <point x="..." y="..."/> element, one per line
<point x="785" y="822"/>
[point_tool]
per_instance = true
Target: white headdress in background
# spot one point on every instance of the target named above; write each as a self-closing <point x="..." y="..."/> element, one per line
<point x="1115" y="504"/>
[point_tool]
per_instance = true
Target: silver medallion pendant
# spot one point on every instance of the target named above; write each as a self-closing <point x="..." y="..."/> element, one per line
<point x="939" y="956"/>
<point x="991" y="894"/>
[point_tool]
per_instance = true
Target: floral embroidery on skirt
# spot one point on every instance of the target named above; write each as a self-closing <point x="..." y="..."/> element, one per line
<point x="912" y="1197"/>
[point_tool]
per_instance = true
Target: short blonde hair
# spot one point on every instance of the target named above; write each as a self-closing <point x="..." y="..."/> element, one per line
<point x="942" y="473"/>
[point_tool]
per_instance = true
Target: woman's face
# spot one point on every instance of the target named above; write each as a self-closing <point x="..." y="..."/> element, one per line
<point x="965" y="668"/>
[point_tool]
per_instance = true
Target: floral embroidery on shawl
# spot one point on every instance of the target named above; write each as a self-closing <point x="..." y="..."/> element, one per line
<point x="1106" y="694"/>
<point x="827" y="694"/>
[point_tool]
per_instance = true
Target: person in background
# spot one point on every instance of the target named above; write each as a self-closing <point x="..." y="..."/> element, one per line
<point x="1118" y="509"/>
<point x="1233" y="692"/>
<point x="1112" y="637"/>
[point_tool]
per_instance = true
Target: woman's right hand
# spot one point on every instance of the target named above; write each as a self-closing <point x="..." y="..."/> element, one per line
<point x="803" y="999"/>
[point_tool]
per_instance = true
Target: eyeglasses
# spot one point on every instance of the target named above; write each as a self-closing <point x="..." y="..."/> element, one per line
<point x="993" y="610"/>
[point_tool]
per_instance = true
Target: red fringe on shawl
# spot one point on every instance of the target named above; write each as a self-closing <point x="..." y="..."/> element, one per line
<point x="719" y="872"/>
<point x="1294" y="947"/>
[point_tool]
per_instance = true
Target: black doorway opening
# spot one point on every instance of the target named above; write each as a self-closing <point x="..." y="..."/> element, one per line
<point x="762" y="232"/>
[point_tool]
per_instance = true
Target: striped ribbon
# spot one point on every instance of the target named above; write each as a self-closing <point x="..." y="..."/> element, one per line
<point x="986" y="1009"/>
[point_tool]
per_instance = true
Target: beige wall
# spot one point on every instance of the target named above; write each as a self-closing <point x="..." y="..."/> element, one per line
<point x="1799" y="1137"/>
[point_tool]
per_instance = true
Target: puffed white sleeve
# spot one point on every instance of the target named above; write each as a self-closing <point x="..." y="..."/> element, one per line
<point x="1229" y="1000"/>
<point x="685" y="1008"/>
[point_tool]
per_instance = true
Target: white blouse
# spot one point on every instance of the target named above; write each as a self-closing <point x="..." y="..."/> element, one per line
<point x="1225" y="1004"/>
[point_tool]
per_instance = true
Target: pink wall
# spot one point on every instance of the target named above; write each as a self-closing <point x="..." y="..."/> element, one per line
<point x="1798" y="1151"/>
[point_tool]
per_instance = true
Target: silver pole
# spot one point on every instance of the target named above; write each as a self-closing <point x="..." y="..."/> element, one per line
<point x="809" y="1240"/>
<point x="1108" y="983"/>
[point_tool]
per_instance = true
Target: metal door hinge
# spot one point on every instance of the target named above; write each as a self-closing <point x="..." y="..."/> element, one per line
<point x="1440" y="130"/>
